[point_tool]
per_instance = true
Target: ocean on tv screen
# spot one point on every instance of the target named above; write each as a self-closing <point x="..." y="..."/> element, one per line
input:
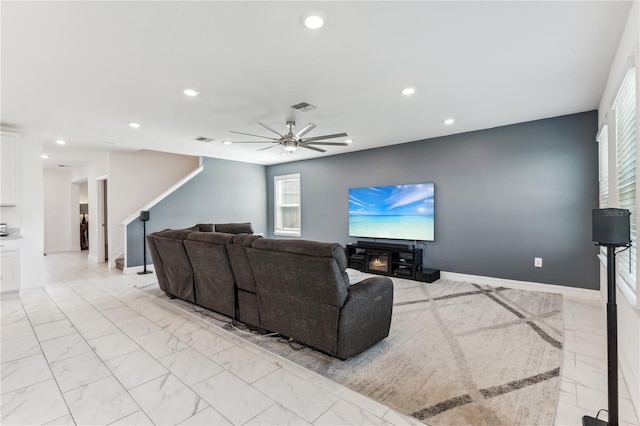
<point x="404" y="212"/>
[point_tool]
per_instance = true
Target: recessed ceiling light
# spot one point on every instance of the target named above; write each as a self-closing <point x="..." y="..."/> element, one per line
<point x="134" y="125"/>
<point x="191" y="92"/>
<point x="61" y="142"/>
<point x="449" y="121"/>
<point x="348" y="141"/>
<point x="44" y="156"/>
<point x="408" y="91"/>
<point x="313" y="20"/>
<point x="227" y="142"/>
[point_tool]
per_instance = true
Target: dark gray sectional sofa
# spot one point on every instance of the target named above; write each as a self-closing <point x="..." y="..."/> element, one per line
<point x="295" y="288"/>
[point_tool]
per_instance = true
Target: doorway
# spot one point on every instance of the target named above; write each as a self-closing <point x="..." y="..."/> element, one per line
<point x="83" y="201"/>
<point x="103" y="228"/>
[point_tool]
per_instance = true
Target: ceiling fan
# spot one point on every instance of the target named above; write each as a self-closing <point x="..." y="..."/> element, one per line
<point x="292" y="141"/>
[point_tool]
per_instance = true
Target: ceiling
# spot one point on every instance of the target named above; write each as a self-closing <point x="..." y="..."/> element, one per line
<point x="81" y="71"/>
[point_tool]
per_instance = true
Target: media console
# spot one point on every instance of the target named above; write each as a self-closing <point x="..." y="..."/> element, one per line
<point x="397" y="260"/>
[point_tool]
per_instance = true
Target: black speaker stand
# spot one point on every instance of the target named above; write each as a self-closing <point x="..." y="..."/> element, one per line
<point x="144" y="249"/>
<point x="592" y="421"/>
<point x="612" y="344"/>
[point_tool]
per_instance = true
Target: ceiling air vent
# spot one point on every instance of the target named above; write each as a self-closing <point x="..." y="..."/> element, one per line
<point x="304" y="107"/>
<point x="203" y="139"/>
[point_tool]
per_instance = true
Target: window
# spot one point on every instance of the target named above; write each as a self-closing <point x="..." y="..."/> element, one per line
<point x="603" y="150"/>
<point x="287" y="205"/>
<point x="603" y="156"/>
<point x="625" y="122"/>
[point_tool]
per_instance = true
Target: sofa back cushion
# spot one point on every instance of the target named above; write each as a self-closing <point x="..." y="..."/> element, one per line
<point x="234" y="228"/>
<point x="210" y="237"/>
<point x="214" y="283"/>
<point x="176" y="234"/>
<point x="176" y="264"/>
<point x="300" y="288"/>
<point x="157" y="262"/>
<point x="237" y="251"/>
<point x="201" y="227"/>
<point x="299" y="262"/>
<point x="205" y="227"/>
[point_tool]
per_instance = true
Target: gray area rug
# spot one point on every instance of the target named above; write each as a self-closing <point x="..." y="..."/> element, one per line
<point x="457" y="354"/>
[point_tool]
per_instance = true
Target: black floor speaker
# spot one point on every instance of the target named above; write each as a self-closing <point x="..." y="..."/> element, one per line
<point x="611" y="227"/>
<point x="428" y="275"/>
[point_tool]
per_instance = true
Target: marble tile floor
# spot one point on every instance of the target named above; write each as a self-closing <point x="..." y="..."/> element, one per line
<point x="90" y="348"/>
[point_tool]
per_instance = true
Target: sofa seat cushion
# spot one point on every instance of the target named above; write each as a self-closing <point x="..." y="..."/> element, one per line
<point x="354" y="275"/>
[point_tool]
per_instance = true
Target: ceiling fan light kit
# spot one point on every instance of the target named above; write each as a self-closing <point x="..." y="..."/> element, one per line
<point x="292" y="141"/>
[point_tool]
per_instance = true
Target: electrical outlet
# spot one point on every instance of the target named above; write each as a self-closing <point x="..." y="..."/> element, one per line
<point x="537" y="262"/>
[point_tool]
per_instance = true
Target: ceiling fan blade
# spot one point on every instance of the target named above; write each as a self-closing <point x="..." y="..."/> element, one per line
<point x="328" y="143"/>
<point x="270" y="129"/>
<point x="257" y="136"/>
<point x="318" y="138"/>
<point x="255" y="142"/>
<point x="306" y="129"/>
<point x="312" y="148"/>
<point x="272" y="146"/>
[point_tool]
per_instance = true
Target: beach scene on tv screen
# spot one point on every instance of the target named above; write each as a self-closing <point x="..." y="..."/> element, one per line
<point x="402" y="212"/>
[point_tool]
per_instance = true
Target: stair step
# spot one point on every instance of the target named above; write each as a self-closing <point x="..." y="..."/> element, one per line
<point x="120" y="263"/>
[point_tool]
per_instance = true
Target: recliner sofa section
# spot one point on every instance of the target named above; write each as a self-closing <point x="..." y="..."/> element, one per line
<point x="304" y="293"/>
<point x="172" y="262"/>
<point x="170" y="259"/>
<point x="213" y="278"/>
<point x="296" y="288"/>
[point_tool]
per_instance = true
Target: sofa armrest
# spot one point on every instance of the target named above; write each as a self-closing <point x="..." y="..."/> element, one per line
<point x="365" y="317"/>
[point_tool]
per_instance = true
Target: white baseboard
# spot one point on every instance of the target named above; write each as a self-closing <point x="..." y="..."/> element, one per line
<point x="31" y="285"/>
<point x="630" y="380"/>
<point x="523" y="285"/>
<point x="9" y="294"/>
<point x="136" y="269"/>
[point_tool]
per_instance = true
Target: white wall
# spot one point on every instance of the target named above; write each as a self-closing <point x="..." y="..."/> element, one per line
<point x="628" y="314"/>
<point x="83" y="193"/>
<point x="91" y="171"/>
<point x="134" y="180"/>
<point x="60" y="209"/>
<point x="28" y="214"/>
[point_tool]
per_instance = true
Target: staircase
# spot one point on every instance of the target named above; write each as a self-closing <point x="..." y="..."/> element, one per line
<point x="120" y="263"/>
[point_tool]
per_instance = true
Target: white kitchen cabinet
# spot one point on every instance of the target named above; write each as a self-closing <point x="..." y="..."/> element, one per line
<point x="9" y="265"/>
<point x="8" y="169"/>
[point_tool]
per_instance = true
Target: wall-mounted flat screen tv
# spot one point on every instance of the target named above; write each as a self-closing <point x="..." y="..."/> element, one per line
<point x="397" y="212"/>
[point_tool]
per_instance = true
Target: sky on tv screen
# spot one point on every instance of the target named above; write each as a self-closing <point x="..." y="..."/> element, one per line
<point x="393" y="200"/>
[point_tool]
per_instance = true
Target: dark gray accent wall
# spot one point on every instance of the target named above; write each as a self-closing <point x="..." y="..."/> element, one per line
<point x="502" y="197"/>
<point x="225" y="191"/>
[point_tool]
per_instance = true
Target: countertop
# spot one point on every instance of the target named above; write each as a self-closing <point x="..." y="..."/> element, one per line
<point x="11" y="236"/>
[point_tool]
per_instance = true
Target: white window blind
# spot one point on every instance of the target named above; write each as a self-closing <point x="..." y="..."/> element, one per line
<point x="287" y="205"/>
<point x="603" y="158"/>
<point x="625" y="109"/>
<point x="603" y="154"/>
